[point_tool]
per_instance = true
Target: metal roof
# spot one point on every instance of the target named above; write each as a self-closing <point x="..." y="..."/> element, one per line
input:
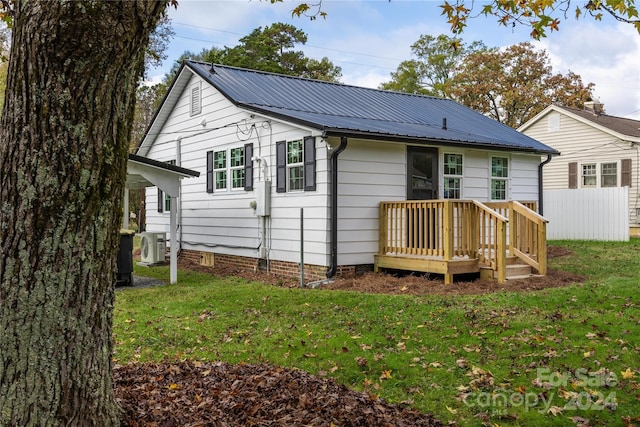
<point x="339" y="109"/>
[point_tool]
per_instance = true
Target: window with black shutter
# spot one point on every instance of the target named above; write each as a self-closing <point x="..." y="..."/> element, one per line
<point x="309" y="163"/>
<point x="209" y="171"/>
<point x="248" y="167"/>
<point x="281" y="166"/>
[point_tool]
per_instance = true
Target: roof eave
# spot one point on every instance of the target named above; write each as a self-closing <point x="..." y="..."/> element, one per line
<point x="423" y="140"/>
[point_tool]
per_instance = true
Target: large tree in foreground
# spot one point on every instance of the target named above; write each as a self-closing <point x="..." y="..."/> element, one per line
<point x="64" y="134"/>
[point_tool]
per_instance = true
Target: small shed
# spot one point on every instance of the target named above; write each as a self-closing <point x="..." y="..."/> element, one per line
<point x="143" y="172"/>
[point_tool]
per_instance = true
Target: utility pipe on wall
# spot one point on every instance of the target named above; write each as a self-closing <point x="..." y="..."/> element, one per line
<point x="333" y="221"/>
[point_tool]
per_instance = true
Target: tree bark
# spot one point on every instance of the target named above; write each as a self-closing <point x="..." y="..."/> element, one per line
<point x="73" y="71"/>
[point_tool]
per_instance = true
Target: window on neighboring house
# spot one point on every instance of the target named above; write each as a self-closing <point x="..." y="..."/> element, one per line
<point x="452" y="176"/>
<point x="295" y="165"/>
<point x="164" y="200"/>
<point x="195" y="107"/>
<point x="499" y="178"/>
<point x="609" y="174"/>
<point x="230" y="169"/>
<point x="589" y="175"/>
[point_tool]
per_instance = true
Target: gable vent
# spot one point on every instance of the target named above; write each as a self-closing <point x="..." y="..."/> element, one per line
<point x="196" y="99"/>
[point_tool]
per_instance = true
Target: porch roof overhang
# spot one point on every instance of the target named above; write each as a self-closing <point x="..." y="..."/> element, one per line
<point x="143" y="172"/>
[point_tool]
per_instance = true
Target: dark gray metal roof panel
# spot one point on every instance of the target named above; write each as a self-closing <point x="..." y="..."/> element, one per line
<point x="372" y="112"/>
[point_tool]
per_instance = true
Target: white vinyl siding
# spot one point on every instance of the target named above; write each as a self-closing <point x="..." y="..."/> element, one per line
<point x="582" y="143"/>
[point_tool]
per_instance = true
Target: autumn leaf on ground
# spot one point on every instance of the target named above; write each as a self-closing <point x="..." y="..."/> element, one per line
<point x="555" y="410"/>
<point x="385" y="375"/>
<point x="462" y="363"/>
<point x="628" y="374"/>
<point x="580" y="422"/>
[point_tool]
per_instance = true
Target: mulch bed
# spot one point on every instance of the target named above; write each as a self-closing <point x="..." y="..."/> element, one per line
<point x="219" y="394"/>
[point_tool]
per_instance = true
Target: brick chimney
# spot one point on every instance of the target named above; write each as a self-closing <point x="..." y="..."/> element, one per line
<point x="596" y="107"/>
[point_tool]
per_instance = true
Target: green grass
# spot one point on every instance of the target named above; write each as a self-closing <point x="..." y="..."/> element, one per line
<point x="427" y="351"/>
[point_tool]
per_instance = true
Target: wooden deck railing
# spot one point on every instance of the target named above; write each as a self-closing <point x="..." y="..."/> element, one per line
<point x="527" y="233"/>
<point x="492" y="239"/>
<point x="464" y="228"/>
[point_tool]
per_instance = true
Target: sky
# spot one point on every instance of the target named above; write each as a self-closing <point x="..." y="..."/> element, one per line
<point x="368" y="39"/>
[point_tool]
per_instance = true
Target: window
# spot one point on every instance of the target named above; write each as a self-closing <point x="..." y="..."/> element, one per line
<point x="230" y="169"/>
<point x="499" y="178"/>
<point x="195" y="106"/>
<point x="295" y="165"/>
<point x="594" y="175"/>
<point x="452" y="176"/>
<point x="237" y="168"/>
<point x="220" y="169"/>
<point x="589" y="175"/>
<point x="609" y="174"/>
<point x="164" y="200"/>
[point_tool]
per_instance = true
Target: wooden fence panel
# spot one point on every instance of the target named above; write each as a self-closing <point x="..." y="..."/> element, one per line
<point x="587" y="214"/>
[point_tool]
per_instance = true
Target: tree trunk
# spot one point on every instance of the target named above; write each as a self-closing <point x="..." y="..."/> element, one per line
<point x="73" y="71"/>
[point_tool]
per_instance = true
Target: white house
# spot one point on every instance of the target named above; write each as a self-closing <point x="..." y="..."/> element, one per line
<point x="597" y="151"/>
<point x="268" y="145"/>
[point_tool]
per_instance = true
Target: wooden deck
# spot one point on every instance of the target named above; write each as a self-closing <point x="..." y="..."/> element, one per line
<point x="460" y="236"/>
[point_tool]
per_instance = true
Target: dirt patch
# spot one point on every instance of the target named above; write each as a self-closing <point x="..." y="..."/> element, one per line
<point x="220" y="394"/>
<point x="401" y="283"/>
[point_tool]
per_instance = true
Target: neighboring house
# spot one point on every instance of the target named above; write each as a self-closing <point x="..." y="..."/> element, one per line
<point x="270" y="148"/>
<point x="597" y="150"/>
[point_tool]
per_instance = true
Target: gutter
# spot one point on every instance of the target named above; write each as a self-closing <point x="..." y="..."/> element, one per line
<point x="333" y="220"/>
<point x="540" y="192"/>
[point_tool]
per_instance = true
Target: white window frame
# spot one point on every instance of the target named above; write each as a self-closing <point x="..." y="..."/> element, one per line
<point x="602" y="175"/>
<point x="236" y="168"/>
<point x="299" y="165"/>
<point x="222" y="170"/>
<point x="229" y="170"/>
<point x="599" y="176"/>
<point x="458" y="177"/>
<point x="504" y="179"/>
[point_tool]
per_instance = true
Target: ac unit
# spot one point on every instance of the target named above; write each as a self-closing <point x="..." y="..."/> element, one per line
<point x="152" y="247"/>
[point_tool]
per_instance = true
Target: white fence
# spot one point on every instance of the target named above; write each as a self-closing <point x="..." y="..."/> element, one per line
<point x="587" y="213"/>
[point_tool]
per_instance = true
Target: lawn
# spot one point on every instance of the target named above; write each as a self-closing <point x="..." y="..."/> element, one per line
<point x="558" y="356"/>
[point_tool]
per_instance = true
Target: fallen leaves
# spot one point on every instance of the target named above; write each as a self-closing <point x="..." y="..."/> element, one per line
<point x="220" y="394"/>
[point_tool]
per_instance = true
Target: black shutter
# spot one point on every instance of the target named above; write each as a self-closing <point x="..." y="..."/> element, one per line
<point x="573" y="175"/>
<point x="281" y="167"/>
<point x="309" y="163"/>
<point x="625" y="173"/>
<point x="248" y="167"/>
<point x="160" y="201"/>
<point x="209" y="171"/>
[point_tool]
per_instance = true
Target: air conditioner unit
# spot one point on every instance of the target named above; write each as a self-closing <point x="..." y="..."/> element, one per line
<point x="153" y="246"/>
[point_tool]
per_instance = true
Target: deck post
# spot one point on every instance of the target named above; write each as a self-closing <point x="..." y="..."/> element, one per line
<point x="542" y="248"/>
<point x="447" y="215"/>
<point x="501" y="251"/>
<point x="513" y="228"/>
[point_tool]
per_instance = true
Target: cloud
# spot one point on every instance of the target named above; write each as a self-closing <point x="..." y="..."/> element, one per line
<point x="606" y="55"/>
